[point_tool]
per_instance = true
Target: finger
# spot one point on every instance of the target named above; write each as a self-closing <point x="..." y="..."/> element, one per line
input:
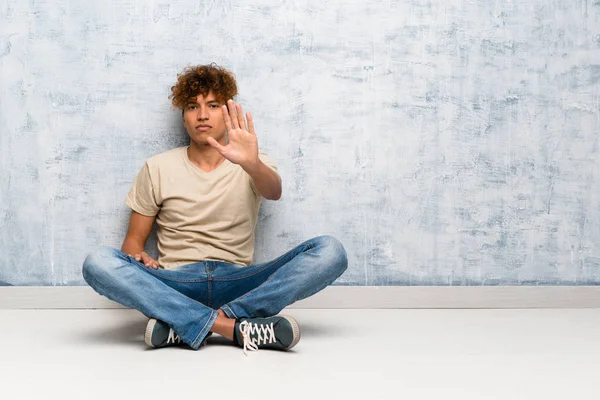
<point x="240" y="115"/>
<point x="226" y="118"/>
<point x="216" y="145"/>
<point x="147" y="259"/>
<point x="232" y="115"/>
<point x="250" y="123"/>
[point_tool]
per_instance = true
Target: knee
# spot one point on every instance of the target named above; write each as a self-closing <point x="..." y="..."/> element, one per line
<point x="98" y="263"/>
<point x="334" y="254"/>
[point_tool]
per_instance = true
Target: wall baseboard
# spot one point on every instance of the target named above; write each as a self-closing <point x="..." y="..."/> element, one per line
<point x="84" y="297"/>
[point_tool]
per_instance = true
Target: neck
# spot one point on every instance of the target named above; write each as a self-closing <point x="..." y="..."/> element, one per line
<point x="204" y="156"/>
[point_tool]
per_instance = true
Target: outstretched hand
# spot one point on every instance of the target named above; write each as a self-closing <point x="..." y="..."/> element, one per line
<point x="242" y="147"/>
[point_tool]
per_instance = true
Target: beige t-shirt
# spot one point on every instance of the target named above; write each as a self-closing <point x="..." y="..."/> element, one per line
<point x="200" y="215"/>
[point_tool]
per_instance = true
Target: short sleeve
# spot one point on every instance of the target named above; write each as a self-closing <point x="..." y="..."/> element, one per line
<point x="264" y="157"/>
<point x="142" y="196"/>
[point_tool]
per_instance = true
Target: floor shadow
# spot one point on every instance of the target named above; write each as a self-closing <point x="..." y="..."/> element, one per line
<point x="124" y="333"/>
<point x="219" y="341"/>
<point x="131" y="332"/>
<point x="313" y="329"/>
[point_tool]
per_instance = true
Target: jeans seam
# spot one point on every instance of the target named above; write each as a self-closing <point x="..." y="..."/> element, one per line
<point x="226" y="308"/>
<point x="257" y="272"/>
<point x="267" y="280"/>
<point x="209" y="285"/>
<point x="204" y="328"/>
<point x="150" y="271"/>
<point x="250" y="292"/>
<point x="143" y="268"/>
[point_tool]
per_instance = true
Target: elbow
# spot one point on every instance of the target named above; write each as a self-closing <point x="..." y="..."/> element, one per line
<point x="272" y="191"/>
<point x="273" y="196"/>
<point x="276" y="192"/>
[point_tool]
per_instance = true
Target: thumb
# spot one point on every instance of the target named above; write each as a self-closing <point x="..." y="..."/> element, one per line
<point x="216" y="145"/>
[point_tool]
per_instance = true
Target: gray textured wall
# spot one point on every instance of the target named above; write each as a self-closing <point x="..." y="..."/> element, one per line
<point x="444" y="142"/>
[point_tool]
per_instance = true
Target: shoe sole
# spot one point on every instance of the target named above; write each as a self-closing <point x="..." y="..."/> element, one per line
<point x="148" y="334"/>
<point x="295" y="328"/>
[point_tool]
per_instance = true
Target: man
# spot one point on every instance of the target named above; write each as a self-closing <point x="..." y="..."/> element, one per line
<point x="205" y="199"/>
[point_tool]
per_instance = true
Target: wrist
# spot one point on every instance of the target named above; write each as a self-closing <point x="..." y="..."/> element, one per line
<point x="252" y="167"/>
<point x="132" y="246"/>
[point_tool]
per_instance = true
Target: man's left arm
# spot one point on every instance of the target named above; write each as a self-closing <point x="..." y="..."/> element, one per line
<point x="266" y="180"/>
<point x="242" y="149"/>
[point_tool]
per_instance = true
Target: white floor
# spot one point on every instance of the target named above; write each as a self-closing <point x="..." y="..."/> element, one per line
<point x="343" y="354"/>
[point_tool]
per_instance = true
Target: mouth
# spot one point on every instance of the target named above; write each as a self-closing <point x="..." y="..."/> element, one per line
<point x="203" y="128"/>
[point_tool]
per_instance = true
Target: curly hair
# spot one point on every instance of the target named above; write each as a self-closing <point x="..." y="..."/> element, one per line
<point x="202" y="79"/>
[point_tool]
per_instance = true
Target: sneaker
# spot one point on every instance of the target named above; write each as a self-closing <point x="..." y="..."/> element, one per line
<point x="280" y="332"/>
<point x="159" y="334"/>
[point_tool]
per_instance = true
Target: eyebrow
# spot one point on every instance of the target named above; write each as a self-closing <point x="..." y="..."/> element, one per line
<point x="208" y="102"/>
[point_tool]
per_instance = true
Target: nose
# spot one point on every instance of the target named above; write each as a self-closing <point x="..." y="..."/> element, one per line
<point x="202" y="113"/>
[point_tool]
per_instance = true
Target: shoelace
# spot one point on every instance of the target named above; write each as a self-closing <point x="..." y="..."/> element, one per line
<point x="173" y="337"/>
<point x="265" y="334"/>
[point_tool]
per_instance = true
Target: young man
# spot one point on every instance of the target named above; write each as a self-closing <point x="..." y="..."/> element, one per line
<point x="205" y="199"/>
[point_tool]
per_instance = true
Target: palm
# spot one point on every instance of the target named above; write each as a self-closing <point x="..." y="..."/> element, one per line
<point x="242" y="146"/>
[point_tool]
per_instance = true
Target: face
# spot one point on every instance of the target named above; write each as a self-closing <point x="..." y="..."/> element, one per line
<point x="202" y="117"/>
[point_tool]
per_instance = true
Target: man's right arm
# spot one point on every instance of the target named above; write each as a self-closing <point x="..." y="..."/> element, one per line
<point x="137" y="234"/>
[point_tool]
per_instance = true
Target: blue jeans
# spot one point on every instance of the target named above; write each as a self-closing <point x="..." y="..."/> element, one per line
<point x="187" y="297"/>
